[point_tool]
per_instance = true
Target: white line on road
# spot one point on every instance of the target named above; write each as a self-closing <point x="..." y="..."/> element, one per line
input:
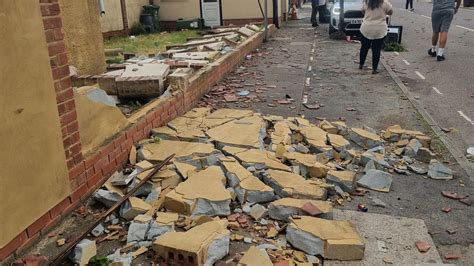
<point x="397" y="53"/>
<point x="406" y="62"/>
<point x="311" y="58"/>
<point x="310" y="68"/>
<point x="437" y="91"/>
<point x="459" y="26"/>
<point x="466" y="117"/>
<point x="312" y="50"/>
<point x="425" y="16"/>
<point x="308" y="81"/>
<point x="419" y="75"/>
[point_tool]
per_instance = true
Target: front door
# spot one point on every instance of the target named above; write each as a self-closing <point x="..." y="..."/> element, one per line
<point x="211" y="13"/>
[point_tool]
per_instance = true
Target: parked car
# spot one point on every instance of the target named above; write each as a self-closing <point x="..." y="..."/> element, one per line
<point x="353" y="16"/>
<point x="324" y="12"/>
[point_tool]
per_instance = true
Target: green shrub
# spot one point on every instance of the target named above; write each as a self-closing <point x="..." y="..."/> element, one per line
<point x="137" y="29"/>
<point x="394" y="47"/>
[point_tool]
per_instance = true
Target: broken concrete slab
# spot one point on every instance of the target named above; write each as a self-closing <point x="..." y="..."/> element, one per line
<point x="230" y="113"/>
<point x="247" y="186"/>
<point x="133" y="207"/>
<point x="338" y="142"/>
<point x="283" y="209"/>
<point x="83" y="252"/>
<point x="166" y="178"/>
<point x="138" y="232"/>
<point x="396" y="132"/>
<point x="376" y="180"/>
<point x="425" y="155"/>
<point x="364" y="138"/>
<point x="281" y="133"/>
<point x="309" y="164"/>
<point x="260" y="159"/>
<point x="106" y="197"/>
<point x="316" y="138"/>
<point x="400" y="239"/>
<point x="258" y="211"/>
<point x="377" y="158"/>
<point x="438" y="170"/>
<point x="201" y="245"/>
<point x="166" y="218"/>
<point x="183" y="150"/>
<point x="255" y="256"/>
<point x="336" y="240"/>
<point x="287" y="184"/>
<point x="411" y="149"/>
<point x="184" y="169"/>
<point x="203" y="193"/>
<point x="343" y="179"/>
<point x="247" y="132"/>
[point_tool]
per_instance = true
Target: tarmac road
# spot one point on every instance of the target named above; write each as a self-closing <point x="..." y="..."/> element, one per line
<point x="444" y="89"/>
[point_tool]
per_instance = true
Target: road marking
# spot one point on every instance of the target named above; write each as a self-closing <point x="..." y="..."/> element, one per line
<point x="396" y="53"/>
<point x="466" y="117"/>
<point x="311" y="58"/>
<point x="312" y="50"/>
<point x="310" y="68"/>
<point x="419" y="75"/>
<point x="459" y="26"/>
<point x="425" y="16"/>
<point x="437" y="91"/>
<point x="406" y="62"/>
<point x="308" y="81"/>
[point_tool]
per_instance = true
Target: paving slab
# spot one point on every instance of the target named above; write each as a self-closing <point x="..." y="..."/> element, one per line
<point x="390" y="238"/>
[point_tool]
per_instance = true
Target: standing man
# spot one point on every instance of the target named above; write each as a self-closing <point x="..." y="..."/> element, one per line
<point x="314" y="12"/>
<point x="441" y="18"/>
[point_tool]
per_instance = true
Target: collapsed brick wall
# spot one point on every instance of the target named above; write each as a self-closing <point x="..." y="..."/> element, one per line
<point x="88" y="174"/>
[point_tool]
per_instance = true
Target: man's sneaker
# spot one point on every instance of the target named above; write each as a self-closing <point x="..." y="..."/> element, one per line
<point x="430" y="52"/>
<point x="412" y="9"/>
<point x="315" y="25"/>
<point x="440" y="58"/>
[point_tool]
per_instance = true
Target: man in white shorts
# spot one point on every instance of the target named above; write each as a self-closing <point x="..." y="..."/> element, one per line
<point x="441" y="18"/>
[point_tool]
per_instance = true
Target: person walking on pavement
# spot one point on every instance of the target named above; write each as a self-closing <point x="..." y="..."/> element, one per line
<point x="409" y="2"/>
<point x="441" y="18"/>
<point x="373" y="29"/>
<point x="314" y="12"/>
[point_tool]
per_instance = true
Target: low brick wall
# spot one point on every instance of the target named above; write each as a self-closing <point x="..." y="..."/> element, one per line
<point x="88" y="174"/>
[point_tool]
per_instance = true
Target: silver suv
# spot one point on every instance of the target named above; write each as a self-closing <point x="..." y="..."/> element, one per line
<point x="353" y="16"/>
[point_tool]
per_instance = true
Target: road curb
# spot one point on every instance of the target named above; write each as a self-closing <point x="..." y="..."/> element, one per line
<point x="458" y="155"/>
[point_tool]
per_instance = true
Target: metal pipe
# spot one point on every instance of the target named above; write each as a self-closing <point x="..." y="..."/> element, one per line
<point x="101" y="7"/>
<point x="341" y="16"/>
<point x="265" y="22"/>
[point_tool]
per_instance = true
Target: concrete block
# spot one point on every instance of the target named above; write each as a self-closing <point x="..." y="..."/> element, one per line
<point x="343" y="179"/>
<point x="287" y="184"/>
<point x="334" y="240"/>
<point x="364" y="138"/>
<point x="438" y="170"/>
<point x="201" y="245"/>
<point x="83" y="252"/>
<point x="138" y="232"/>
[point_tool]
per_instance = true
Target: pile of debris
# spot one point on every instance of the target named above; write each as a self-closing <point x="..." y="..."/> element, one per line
<point x="145" y="77"/>
<point x="265" y="182"/>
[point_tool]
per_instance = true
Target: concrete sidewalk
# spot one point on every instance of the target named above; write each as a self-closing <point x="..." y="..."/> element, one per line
<point x="301" y="63"/>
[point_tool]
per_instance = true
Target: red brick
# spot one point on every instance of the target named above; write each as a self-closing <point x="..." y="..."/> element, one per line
<point x="28" y="243"/>
<point x="90" y="161"/>
<point x="75" y="150"/>
<point x="38" y="225"/>
<point x="119" y="140"/>
<point x="59" y="208"/>
<point x="51" y="23"/>
<point x="78" y="193"/>
<point x="138" y="136"/>
<point x="157" y="122"/>
<point x="9" y="248"/>
<point x="66" y="83"/>
<point x="126" y="145"/>
<point x="44" y="10"/>
<point x="141" y="124"/>
<point x="70" y="163"/>
<point x="60" y="72"/>
<point x="70" y="105"/>
<point x="122" y="158"/>
<point x="109" y="168"/>
<point x="150" y="117"/>
<point x="75" y="138"/>
<point x="76" y="171"/>
<point x="73" y="127"/>
<point x="100" y="164"/>
<point x="61" y="108"/>
<point x="64" y="95"/>
<point x="58" y="35"/>
<point x="147" y="129"/>
<point x="94" y="179"/>
<point x="56" y="48"/>
<point x="107" y="149"/>
<point x="114" y="154"/>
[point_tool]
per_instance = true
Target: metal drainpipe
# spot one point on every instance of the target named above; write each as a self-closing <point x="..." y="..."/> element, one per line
<point x="341" y="15"/>
<point x="101" y="7"/>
